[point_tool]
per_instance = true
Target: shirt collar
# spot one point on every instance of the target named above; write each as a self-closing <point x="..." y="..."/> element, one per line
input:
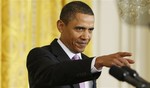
<point x="68" y="52"/>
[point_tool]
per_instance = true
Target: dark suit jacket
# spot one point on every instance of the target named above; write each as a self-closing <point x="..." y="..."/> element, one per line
<point x="50" y="67"/>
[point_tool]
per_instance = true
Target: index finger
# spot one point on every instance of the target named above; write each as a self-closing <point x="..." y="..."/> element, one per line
<point x="123" y="54"/>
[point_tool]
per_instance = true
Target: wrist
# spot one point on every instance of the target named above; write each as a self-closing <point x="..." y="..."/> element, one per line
<point x="98" y="63"/>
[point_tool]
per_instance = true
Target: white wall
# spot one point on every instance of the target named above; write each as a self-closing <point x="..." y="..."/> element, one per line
<point x="111" y="35"/>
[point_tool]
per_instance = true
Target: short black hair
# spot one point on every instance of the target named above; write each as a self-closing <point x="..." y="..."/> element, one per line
<point x="69" y="11"/>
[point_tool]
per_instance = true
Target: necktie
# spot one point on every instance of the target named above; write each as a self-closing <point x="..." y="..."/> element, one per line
<point x="76" y="57"/>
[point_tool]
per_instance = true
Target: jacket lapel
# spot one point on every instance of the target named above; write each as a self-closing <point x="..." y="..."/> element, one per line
<point x="57" y="50"/>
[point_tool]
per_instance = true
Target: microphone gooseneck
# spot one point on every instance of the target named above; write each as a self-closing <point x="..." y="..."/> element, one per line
<point x="124" y="75"/>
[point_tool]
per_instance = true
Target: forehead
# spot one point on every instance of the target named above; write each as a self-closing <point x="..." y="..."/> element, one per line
<point x="83" y="20"/>
<point x="84" y="16"/>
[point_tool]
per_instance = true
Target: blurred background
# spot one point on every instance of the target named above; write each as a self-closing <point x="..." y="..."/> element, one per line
<point x="120" y="25"/>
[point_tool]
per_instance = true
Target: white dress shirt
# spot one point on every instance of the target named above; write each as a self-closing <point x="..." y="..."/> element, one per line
<point x="88" y="84"/>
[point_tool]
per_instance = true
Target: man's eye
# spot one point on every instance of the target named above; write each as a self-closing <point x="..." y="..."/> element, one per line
<point x="80" y="29"/>
<point x="91" y="29"/>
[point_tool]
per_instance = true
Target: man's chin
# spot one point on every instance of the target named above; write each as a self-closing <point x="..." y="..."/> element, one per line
<point x="81" y="50"/>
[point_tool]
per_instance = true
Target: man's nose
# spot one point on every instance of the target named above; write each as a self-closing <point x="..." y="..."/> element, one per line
<point x="86" y="35"/>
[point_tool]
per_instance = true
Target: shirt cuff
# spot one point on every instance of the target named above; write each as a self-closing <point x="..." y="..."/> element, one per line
<point x="93" y="68"/>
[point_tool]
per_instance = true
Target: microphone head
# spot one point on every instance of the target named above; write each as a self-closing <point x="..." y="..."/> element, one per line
<point x="118" y="73"/>
<point x="135" y="75"/>
<point x="132" y="72"/>
<point x="123" y="75"/>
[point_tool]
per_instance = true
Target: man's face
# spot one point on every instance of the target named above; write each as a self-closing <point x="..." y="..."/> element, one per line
<point x="77" y="33"/>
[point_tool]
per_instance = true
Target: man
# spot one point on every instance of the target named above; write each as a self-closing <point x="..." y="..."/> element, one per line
<point x="54" y="66"/>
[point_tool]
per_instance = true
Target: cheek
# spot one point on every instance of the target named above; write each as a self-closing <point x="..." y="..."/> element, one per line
<point x="75" y="36"/>
<point x="73" y="39"/>
<point x="71" y="35"/>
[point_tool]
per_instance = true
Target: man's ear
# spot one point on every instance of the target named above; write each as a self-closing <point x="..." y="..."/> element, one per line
<point x="60" y="25"/>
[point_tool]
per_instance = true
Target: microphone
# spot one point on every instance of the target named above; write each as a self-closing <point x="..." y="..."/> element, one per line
<point x="124" y="75"/>
<point x="135" y="75"/>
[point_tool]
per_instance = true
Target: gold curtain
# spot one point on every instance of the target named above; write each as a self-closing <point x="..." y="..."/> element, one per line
<point x="25" y="24"/>
<point x="0" y="41"/>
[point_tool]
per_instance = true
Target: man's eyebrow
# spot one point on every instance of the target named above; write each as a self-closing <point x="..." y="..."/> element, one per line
<point x="80" y="27"/>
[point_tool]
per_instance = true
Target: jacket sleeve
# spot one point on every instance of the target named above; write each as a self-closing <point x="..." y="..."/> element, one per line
<point x="45" y="70"/>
